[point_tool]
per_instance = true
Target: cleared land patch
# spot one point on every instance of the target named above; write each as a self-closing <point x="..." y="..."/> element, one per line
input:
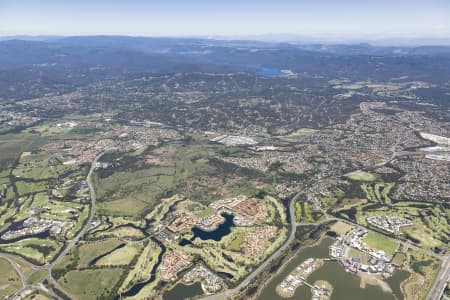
<point x="9" y="279"/>
<point x="90" y="251"/>
<point x="379" y="242"/>
<point x="91" y="284"/>
<point x="362" y="176"/>
<point x="121" y="256"/>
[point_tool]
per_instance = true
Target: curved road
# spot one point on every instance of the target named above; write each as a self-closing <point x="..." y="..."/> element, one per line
<point x="69" y="244"/>
<point x="434" y="293"/>
<point x="86" y="226"/>
<point x="265" y="264"/>
<point x="83" y="230"/>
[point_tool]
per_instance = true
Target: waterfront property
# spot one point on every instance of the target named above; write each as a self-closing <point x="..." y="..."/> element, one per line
<point x="298" y="277"/>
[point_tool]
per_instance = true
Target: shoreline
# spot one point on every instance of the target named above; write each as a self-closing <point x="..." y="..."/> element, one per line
<point x="289" y="259"/>
<point x="366" y="279"/>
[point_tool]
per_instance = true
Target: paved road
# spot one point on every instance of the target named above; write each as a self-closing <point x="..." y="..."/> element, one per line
<point x="89" y="220"/>
<point x="68" y="246"/>
<point x="404" y="243"/>
<point x="83" y="230"/>
<point x="438" y="287"/>
<point x="434" y="294"/>
<point x="16" y="267"/>
<point x="230" y="292"/>
<point x="442" y="279"/>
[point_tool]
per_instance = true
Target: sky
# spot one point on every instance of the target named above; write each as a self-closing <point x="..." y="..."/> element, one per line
<point x="321" y="18"/>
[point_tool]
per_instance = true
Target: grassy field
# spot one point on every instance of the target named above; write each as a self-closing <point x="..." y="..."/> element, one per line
<point x="128" y="206"/>
<point x="144" y="265"/>
<point x="37" y="276"/>
<point x="341" y="228"/>
<point x="91" y="284"/>
<point x="121" y="232"/>
<point x="425" y="270"/>
<point x="379" y="242"/>
<point x="9" y="279"/>
<point x="129" y="193"/>
<point x="362" y="176"/>
<point x="399" y="259"/>
<point x="430" y="227"/>
<point x="11" y="145"/>
<point x="157" y="214"/>
<point x="121" y="256"/>
<point x="277" y="212"/>
<point x="205" y="212"/>
<point x="139" y="184"/>
<point x="87" y="252"/>
<point x="235" y="244"/>
<point x="132" y="190"/>
<point x="24" y="267"/>
<point x="38" y="166"/>
<point x="304" y="212"/>
<point x="362" y="255"/>
<point x="31" y="187"/>
<point x="38" y="250"/>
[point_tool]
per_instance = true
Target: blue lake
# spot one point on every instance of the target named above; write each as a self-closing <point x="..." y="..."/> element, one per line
<point x="216" y="235"/>
<point x="269" y="72"/>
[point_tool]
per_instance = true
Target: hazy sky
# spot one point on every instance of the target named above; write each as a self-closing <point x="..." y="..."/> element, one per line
<point x="344" y="18"/>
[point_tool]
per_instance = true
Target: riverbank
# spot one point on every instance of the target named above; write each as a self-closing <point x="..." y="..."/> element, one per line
<point x="366" y="279"/>
<point x="326" y="290"/>
<point x="287" y="260"/>
<point x="298" y="277"/>
<point x="346" y="286"/>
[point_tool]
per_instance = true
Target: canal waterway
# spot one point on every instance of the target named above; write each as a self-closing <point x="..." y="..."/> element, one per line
<point x="182" y="291"/>
<point x="138" y="287"/>
<point x="346" y="286"/>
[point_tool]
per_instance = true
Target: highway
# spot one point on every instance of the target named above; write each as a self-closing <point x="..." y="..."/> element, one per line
<point x="83" y="230"/>
<point x="88" y="221"/>
<point x="68" y="246"/>
<point x="435" y="292"/>
<point x="438" y="287"/>
<point x="230" y="292"/>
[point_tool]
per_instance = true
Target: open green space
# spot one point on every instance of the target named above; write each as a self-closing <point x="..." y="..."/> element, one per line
<point x="235" y="244"/>
<point x="127" y="232"/>
<point x="357" y="253"/>
<point x="304" y="212"/>
<point x="89" y="251"/>
<point x="39" y="251"/>
<point x="341" y="228"/>
<point x="362" y="176"/>
<point x="136" y="187"/>
<point x="399" y="259"/>
<point x="141" y="271"/>
<point x="121" y="256"/>
<point x="9" y="279"/>
<point x="37" y="276"/>
<point x="425" y="269"/>
<point x="377" y="241"/>
<point x="140" y="182"/>
<point x="430" y="227"/>
<point x="40" y="166"/>
<point x="91" y="284"/>
<point x="13" y="144"/>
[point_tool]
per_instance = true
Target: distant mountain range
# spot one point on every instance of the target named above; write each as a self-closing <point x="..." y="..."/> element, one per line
<point x="79" y="60"/>
<point x="288" y="38"/>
